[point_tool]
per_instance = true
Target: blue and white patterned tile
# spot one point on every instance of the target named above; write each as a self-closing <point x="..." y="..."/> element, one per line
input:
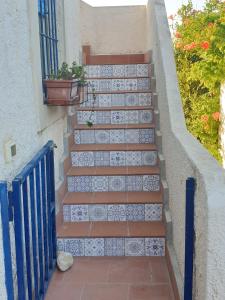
<point x="104" y="100"/>
<point x="94" y="247"/>
<point x="130" y="70"/>
<point x="60" y="245"/>
<point x="91" y="101"/>
<point x="77" y="138"/>
<point x="116" y="183"/>
<point x="100" y="183"/>
<point x="133" y="158"/>
<point x="145" y="99"/>
<point x="118" y="99"/>
<point x="151" y="183"/>
<point x="116" y="136"/>
<point x="81" y="184"/>
<point x="117" y="158"/>
<point x="132" y="117"/>
<point x="102" y="158"/>
<point x="114" y="247"/>
<point x="102" y="136"/>
<point x="149" y="158"/>
<point x="74" y="246"/>
<point x="87" y="137"/>
<point x="134" y="183"/>
<point x="142" y="70"/>
<point x="154" y="246"/>
<point x="134" y="246"/>
<point x="79" y="213"/>
<point x="97" y="212"/>
<point x="143" y="84"/>
<point x="119" y="71"/>
<point x="146" y="136"/>
<point x="70" y="184"/>
<point x="84" y="116"/>
<point x="153" y="212"/>
<point x="135" y="212"/>
<point x="106" y="71"/>
<point x="117" y="117"/>
<point x="118" y="85"/>
<point x="103" y="117"/>
<point x="82" y="159"/>
<point x="145" y="116"/>
<point x="131" y="84"/>
<point x="93" y="84"/>
<point x="132" y="99"/>
<point x="105" y="85"/>
<point x="131" y="136"/>
<point x="67" y="213"/>
<point x="116" y="212"/>
<point x="93" y="71"/>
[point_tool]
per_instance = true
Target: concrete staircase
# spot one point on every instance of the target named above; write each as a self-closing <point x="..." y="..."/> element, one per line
<point x="114" y="204"/>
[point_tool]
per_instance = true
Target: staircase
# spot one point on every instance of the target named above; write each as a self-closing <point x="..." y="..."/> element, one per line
<point x="114" y="204"/>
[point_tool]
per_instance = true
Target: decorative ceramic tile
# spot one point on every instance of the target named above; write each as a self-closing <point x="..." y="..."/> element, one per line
<point x="114" y="247"/>
<point x="132" y="117"/>
<point x="142" y="70"/>
<point x="60" y="245"/>
<point x="87" y="137"/>
<point x="131" y="84"/>
<point x="117" y="212"/>
<point x="143" y="83"/>
<point x="146" y="136"/>
<point x="70" y="184"/>
<point x="149" y="158"/>
<point x="93" y="84"/>
<point x="104" y="100"/>
<point x="79" y="213"/>
<point x="153" y="212"/>
<point x="134" y="246"/>
<point x="84" y="116"/>
<point x="93" y="71"/>
<point x="134" y="183"/>
<point x="106" y="71"/>
<point x="151" y="183"/>
<point x="66" y="213"/>
<point x="117" y="117"/>
<point x="91" y="101"/>
<point x="94" y="247"/>
<point x="133" y="158"/>
<point x="105" y="85"/>
<point x="131" y="99"/>
<point x="117" y="158"/>
<point x="145" y="99"/>
<point x="155" y="247"/>
<point x="116" y="136"/>
<point x="77" y="139"/>
<point x="103" y="117"/>
<point x="118" y="99"/>
<point x="116" y="183"/>
<point x="74" y="246"/>
<point x="130" y="70"/>
<point x="145" y="116"/>
<point x="102" y="136"/>
<point x="100" y="183"/>
<point x="80" y="184"/>
<point x="118" y="85"/>
<point x="97" y="212"/>
<point x="102" y="158"/>
<point x="82" y="159"/>
<point x="118" y="71"/>
<point x="135" y="212"/>
<point x="132" y="136"/>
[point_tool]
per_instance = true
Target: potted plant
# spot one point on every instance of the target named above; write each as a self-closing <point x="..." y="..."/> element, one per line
<point x="67" y="88"/>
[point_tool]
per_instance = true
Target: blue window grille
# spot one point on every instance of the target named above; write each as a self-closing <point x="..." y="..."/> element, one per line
<point x="48" y="37"/>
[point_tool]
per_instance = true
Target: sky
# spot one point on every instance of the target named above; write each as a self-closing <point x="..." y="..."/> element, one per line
<point x="171" y="5"/>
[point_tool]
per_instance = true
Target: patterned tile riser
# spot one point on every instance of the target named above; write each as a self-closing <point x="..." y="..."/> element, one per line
<point x="114" y="136"/>
<point x="117" y="71"/>
<point x="112" y="246"/>
<point x="114" y="158"/>
<point x="112" y="212"/>
<point x="115" y="117"/>
<point x="113" y="183"/>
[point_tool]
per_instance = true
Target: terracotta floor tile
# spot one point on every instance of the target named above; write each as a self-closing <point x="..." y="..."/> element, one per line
<point x="80" y="229"/>
<point x="110" y="197"/>
<point x="109" y="229"/>
<point x="105" y="292"/>
<point x="143" y="170"/>
<point x="148" y="292"/>
<point x="155" y="229"/>
<point x="144" y="197"/>
<point x="159" y="270"/>
<point x="78" y="198"/>
<point x="81" y="171"/>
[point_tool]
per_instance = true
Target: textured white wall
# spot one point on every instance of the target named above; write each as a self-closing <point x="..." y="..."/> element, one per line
<point x="222" y="129"/>
<point x="114" y="30"/>
<point x="185" y="157"/>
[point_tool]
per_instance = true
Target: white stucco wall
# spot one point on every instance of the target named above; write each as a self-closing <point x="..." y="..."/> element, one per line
<point x="185" y="157"/>
<point x="113" y="30"/>
<point x="222" y="129"/>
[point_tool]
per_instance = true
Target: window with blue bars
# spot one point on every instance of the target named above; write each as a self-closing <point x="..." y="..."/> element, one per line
<point x="48" y="37"/>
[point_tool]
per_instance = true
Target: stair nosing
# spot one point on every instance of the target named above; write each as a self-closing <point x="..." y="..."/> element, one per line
<point x="121" y="92"/>
<point x="114" y="147"/>
<point x="115" y="126"/>
<point x="124" y="77"/>
<point x="87" y="108"/>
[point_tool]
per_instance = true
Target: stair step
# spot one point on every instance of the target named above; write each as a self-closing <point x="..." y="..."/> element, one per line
<point x="114" y="126"/>
<point x="116" y="59"/>
<point x="114" y="108"/>
<point x="113" y="147"/>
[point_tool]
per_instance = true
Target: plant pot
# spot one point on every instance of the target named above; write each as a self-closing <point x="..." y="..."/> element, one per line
<point x="62" y="92"/>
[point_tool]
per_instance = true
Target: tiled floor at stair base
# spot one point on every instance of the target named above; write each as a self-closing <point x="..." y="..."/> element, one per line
<point x="113" y="278"/>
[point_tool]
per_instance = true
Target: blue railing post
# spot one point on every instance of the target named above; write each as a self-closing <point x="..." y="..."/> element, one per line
<point x="189" y="238"/>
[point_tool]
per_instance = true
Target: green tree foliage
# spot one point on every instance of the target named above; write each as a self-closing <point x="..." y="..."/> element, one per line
<point x="199" y="43"/>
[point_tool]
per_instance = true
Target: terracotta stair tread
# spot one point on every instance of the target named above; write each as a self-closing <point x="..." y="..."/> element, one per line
<point x="110" y="171"/>
<point x="115" y="126"/>
<point x="121" y="92"/>
<point x="116" y="77"/>
<point x="116" y="59"/>
<point x="86" y="108"/>
<point x="112" y="229"/>
<point x="113" y="147"/>
<point x="113" y="197"/>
